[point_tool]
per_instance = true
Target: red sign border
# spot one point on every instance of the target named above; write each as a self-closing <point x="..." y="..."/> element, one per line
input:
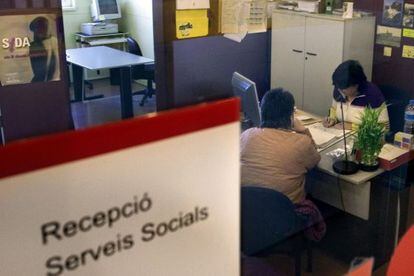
<point x="32" y="154"/>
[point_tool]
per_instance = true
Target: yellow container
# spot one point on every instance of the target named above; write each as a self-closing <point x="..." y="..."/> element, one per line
<point x="191" y="23"/>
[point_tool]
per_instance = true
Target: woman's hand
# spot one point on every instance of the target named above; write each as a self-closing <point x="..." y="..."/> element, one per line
<point x="328" y="122"/>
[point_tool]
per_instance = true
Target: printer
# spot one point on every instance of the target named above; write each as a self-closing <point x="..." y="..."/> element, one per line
<point x="99" y="28"/>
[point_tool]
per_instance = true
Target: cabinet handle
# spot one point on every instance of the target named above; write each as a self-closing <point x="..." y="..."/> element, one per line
<point x="311" y="54"/>
<point x="297" y="51"/>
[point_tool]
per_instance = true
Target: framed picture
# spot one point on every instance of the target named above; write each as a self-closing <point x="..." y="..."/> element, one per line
<point x="68" y="5"/>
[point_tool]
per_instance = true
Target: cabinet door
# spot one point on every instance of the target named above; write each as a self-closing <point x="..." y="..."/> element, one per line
<point x="323" y="53"/>
<point x="288" y="32"/>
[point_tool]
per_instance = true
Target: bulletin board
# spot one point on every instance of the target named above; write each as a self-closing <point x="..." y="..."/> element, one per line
<point x="393" y="62"/>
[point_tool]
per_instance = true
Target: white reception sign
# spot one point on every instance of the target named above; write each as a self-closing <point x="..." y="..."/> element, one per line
<point x="164" y="206"/>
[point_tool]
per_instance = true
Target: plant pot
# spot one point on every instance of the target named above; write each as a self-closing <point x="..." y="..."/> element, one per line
<point x="369" y="167"/>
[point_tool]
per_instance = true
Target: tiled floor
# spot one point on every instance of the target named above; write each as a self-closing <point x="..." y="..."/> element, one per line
<point x="107" y="109"/>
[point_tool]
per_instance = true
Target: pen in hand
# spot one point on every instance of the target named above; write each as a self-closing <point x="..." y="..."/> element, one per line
<point x="328" y="121"/>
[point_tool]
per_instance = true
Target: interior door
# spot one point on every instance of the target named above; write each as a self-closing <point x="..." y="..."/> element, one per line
<point x="287" y="58"/>
<point x="323" y="53"/>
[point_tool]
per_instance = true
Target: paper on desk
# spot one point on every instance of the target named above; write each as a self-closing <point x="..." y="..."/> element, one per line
<point x="331" y="130"/>
<point x="303" y="117"/>
<point x="390" y="152"/>
<point x="192" y="4"/>
<point x="321" y="138"/>
<point x="324" y="136"/>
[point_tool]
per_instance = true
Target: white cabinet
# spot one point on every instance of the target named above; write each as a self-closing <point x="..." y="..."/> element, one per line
<point x="306" y="49"/>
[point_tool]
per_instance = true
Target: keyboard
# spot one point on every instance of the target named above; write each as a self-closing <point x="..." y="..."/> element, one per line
<point x="104" y="41"/>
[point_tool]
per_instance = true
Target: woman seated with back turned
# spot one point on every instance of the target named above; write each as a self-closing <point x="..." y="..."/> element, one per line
<point x="355" y="93"/>
<point x="278" y="154"/>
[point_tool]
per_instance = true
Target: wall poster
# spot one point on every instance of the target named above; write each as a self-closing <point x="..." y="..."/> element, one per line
<point x="388" y="36"/>
<point x="393" y="13"/>
<point x="408" y="51"/>
<point x="29" y="49"/>
<point x="408" y="20"/>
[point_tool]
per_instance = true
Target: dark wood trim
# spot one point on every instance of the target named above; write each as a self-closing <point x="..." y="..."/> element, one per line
<point x="30" y="11"/>
<point x="164" y="37"/>
<point x="164" y="74"/>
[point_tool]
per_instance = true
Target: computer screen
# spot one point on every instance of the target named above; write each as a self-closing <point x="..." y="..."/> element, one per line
<point x="105" y="9"/>
<point x="246" y="90"/>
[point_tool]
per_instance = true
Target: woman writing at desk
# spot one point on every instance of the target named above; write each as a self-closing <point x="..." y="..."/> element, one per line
<point x="355" y="93"/>
<point x="279" y="153"/>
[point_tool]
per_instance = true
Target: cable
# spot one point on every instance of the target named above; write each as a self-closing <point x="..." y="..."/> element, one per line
<point x="338" y="183"/>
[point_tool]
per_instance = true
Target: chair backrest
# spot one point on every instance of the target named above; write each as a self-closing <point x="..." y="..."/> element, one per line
<point x="267" y="217"/>
<point x="133" y="46"/>
<point x="396" y="99"/>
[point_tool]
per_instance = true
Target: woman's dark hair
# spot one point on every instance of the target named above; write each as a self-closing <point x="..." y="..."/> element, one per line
<point x="348" y="73"/>
<point x="39" y="21"/>
<point x="277" y="108"/>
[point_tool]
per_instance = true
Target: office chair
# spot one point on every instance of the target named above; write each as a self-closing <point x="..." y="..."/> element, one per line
<point x="396" y="100"/>
<point x="141" y="72"/>
<point x="270" y="225"/>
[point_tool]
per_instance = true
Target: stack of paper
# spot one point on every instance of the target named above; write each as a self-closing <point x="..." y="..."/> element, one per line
<point x="390" y="152"/>
<point x="306" y="120"/>
<point x="391" y="156"/>
<point x="324" y="136"/>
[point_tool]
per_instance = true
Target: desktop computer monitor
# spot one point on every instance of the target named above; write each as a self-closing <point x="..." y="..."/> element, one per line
<point x="102" y="10"/>
<point x="246" y="90"/>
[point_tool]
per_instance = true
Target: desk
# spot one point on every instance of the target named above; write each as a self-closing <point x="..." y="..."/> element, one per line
<point x="102" y="57"/>
<point x="358" y="178"/>
<point x="324" y="184"/>
<point x="380" y="198"/>
<point x="349" y="193"/>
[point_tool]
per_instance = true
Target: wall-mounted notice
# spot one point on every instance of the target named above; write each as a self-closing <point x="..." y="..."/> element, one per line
<point x="408" y="33"/>
<point x="387" y="51"/>
<point x="258" y="16"/>
<point x="393" y="13"/>
<point x="155" y="196"/>
<point x="192" y="4"/>
<point x="408" y="20"/>
<point x="408" y="51"/>
<point x="388" y="36"/>
<point x="241" y="17"/>
<point x="29" y="49"/>
<point x="191" y="23"/>
<point x="234" y="16"/>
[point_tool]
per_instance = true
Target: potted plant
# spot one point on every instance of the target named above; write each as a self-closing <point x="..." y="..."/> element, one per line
<point x="369" y="138"/>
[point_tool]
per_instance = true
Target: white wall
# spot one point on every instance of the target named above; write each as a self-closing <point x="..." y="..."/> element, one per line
<point x="73" y="19"/>
<point x="138" y="21"/>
